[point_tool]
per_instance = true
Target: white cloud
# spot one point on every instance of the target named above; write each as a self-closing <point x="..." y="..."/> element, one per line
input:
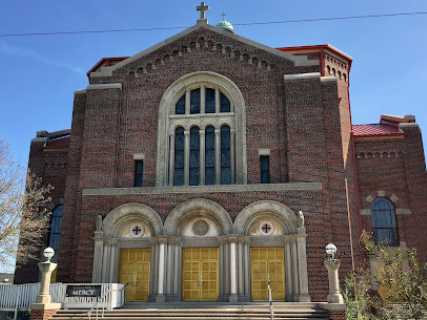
<point x="6" y="48"/>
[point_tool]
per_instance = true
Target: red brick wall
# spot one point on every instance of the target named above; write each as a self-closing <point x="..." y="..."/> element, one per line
<point x="47" y="160"/>
<point x="397" y="167"/>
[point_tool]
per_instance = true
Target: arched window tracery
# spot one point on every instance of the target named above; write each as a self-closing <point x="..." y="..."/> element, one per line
<point x="202" y="144"/>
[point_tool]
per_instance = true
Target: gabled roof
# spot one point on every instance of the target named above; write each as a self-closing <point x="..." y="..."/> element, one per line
<point x="298" y="60"/>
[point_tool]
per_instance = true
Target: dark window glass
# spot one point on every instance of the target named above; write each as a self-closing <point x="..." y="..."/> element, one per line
<point x="210" y="155"/>
<point x="180" y="106"/>
<point x="179" y="157"/>
<point x="265" y="169"/>
<point x="225" y="103"/>
<point x="210" y="100"/>
<point x="384" y="222"/>
<point x="139" y="173"/>
<point x="225" y="155"/>
<point x="195" y="101"/>
<point x="55" y="227"/>
<point x="194" y="156"/>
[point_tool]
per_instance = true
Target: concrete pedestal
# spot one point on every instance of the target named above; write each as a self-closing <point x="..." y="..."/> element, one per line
<point x="334" y="296"/>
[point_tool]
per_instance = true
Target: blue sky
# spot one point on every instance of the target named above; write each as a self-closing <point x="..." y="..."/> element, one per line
<point x="40" y="74"/>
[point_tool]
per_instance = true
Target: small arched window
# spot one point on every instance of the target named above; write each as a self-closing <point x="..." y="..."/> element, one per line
<point x="384" y="222"/>
<point x="179" y="156"/>
<point x="55" y="228"/>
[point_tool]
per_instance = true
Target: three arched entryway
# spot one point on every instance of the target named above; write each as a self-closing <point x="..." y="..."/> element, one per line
<point x="199" y="254"/>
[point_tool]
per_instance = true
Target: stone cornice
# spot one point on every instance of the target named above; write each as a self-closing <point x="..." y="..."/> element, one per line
<point x="267" y="187"/>
<point x="103" y="86"/>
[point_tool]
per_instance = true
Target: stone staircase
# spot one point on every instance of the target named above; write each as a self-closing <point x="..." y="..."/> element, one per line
<point x="281" y="311"/>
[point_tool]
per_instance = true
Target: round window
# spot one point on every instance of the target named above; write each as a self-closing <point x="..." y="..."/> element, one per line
<point x="200" y="227"/>
<point x="266" y="228"/>
<point x="136" y="230"/>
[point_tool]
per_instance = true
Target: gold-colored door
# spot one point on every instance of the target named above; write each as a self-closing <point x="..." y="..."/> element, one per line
<point x="200" y="274"/>
<point x="135" y="273"/>
<point x="268" y="264"/>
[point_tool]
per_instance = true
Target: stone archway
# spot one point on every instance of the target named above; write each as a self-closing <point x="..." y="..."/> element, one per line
<point x="114" y="246"/>
<point x="292" y="240"/>
<point x="168" y="100"/>
<point x="215" y="210"/>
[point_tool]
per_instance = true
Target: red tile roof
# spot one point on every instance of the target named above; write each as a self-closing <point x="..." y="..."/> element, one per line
<point x="377" y="129"/>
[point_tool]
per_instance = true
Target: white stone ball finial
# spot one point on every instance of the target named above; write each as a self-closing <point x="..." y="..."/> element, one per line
<point x="331" y="250"/>
<point x="48" y="253"/>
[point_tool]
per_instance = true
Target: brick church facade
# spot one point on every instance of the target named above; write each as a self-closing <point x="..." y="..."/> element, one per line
<point x="204" y="165"/>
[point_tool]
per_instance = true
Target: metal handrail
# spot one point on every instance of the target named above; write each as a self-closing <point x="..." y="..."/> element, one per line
<point x="270" y="297"/>
<point x="96" y="304"/>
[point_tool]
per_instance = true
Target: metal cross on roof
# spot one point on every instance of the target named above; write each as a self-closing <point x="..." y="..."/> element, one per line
<point x="202" y="8"/>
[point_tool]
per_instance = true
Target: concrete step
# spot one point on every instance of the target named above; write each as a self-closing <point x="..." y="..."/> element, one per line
<point x="266" y="317"/>
<point x="189" y="311"/>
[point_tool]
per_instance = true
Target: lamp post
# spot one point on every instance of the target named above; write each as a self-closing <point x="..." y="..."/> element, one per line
<point x="332" y="264"/>
<point x="44" y="308"/>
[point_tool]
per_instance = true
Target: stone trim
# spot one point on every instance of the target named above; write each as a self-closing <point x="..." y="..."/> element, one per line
<point x="408" y="125"/>
<point x="82" y="91"/>
<point x="233" y="188"/>
<point x="297" y="60"/>
<point x="398" y="211"/>
<point x="329" y="79"/>
<point x="183" y="210"/>
<point x="104" y="86"/>
<point x="264" y="152"/>
<point x="403" y="211"/>
<point x="301" y="76"/>
<point x="245" y="217"/>
<point x="138" y="156"/>
<point x="116" y="216"/>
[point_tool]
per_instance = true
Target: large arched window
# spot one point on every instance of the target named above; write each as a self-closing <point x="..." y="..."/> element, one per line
<point x="55" y="228"/>
<point x="214" y="105"/>
<point x="384" y="222"/>
<point x="203" y="111"/>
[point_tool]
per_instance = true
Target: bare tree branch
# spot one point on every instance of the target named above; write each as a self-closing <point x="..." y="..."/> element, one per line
<point x="24" y="211"/>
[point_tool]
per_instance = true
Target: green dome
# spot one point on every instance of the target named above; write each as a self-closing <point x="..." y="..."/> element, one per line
<point x="226" y="25"/>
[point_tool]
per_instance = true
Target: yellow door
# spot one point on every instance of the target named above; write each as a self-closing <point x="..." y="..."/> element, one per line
<point x="267" y="264"/>
<point x="200" y="274"/>
<point x="135" y="273"/>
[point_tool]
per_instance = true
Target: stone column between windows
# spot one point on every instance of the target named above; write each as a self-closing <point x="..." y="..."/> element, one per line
<point x="186" y="157"/>
<point x="171" y="157"/>
<point x="187" y="102"/>
<point x="217" y="102"/>
<point x="202" y="156"/>
<point x="217" y="156"/>
<point x="202" y="99"/>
